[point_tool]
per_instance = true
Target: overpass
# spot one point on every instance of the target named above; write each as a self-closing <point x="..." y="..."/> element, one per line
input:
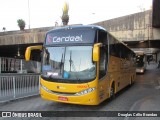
<point x="13" y="43"/>
<point x="135" y="30"/>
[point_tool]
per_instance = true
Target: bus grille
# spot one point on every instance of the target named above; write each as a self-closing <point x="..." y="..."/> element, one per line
<point x="63" y="93"/>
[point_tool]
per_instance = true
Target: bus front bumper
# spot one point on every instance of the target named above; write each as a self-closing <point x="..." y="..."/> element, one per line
<point x="139" y="70"/>
<point x="86" y="99"/>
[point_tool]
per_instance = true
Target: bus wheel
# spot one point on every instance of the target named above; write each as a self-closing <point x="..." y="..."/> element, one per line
<point x="131" y="83"/>
<point x="112" y="95"/>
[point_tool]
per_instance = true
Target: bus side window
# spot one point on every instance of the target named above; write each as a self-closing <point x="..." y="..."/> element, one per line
<point x="114" y="46"/>
<point x="102" y="37"/>
<point x="102" y="64"/>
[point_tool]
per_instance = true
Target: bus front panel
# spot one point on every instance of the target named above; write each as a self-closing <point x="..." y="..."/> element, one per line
<point x="85" y="93"/>
<point x="69" y="75"/>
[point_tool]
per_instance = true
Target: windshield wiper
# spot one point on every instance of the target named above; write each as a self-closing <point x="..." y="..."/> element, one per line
<point x="61" y="64"/>
<point x="73" y="66"/>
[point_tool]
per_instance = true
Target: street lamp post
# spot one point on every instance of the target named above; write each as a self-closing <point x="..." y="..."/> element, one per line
<point x="148" y="38"/>
<point x="28" y="15"/>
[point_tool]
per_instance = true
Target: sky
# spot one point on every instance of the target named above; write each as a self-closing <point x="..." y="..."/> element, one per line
<point x="44" y="13"/>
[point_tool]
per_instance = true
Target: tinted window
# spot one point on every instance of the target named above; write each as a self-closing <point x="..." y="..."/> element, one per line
<point x="114" y="46"/>
<point x="103" y="62"/>
<point x="102" y="37"/>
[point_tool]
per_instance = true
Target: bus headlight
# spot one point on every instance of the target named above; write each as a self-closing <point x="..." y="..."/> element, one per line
<point x="85" y="91"/>
<point x="46" y="89"/>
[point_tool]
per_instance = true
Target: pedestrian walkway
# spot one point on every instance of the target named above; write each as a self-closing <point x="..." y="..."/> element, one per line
<point x="150" y="102"/>
<point x="152" y="65"/>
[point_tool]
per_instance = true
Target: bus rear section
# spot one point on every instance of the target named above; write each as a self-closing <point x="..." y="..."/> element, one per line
<point x="141" y="62"/>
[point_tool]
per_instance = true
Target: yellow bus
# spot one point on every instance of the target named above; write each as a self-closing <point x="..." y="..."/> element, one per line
<point x="141" y="62"/>
<point x="83" y="64"/>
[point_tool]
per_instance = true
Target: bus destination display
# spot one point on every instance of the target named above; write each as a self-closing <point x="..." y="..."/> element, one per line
<point x="70" y="37"/>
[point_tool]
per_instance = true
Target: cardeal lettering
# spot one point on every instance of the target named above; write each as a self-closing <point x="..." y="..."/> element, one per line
<point x="67" y="39"/>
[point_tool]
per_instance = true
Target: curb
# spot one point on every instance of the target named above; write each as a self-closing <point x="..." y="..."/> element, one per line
<point x="158" y="82"/>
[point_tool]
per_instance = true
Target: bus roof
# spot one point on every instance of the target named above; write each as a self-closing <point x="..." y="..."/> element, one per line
<point x="75" y="34"/>
<point x="139" y="52"/>
<point x="93" y="27"/>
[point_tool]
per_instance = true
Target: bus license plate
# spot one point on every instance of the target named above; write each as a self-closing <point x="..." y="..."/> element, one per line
<point x="62" y="98"/>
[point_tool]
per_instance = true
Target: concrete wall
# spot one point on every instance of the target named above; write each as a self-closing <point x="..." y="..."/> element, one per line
<point x="158" y="56"/>
<point x="134" y="27"/>
<point x="23" y="37"/>
<point x="156" y="33"/>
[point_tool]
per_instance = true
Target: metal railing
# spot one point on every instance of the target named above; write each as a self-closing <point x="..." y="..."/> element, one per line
<point x="13" y="65"/>
<point x="13" y="86"/>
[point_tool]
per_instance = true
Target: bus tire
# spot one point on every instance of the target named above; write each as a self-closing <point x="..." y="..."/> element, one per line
<point x="131" y="82"/>
<point x="112" y="94"/>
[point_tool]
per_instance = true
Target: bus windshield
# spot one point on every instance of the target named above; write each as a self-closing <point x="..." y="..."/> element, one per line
<point x="71" y="63"/>
<point x="139" y="61"/>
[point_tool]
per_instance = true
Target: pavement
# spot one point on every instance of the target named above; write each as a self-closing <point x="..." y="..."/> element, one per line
<point x="151" y="102"/>
<point x="153" y="66"/>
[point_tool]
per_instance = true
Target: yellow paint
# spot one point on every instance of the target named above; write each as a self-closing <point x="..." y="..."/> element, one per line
<point x="117" y="72"/>
<point x="62" y="89"/>
<point x="120" y="73"/>
<point x="96" y="52"/>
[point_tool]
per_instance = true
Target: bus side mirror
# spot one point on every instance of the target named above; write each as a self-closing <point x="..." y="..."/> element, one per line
<point x="28" y="54"/>
<point x="96" y="53"/>
<point x="29" y="49"/>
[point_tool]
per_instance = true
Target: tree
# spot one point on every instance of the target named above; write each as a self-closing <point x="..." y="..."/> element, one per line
<point x="4" y="29"/>
<point x="21" y="24"/>
<point x="65" y="16"/>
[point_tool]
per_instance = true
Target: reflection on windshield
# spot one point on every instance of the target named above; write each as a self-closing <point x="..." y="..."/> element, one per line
<point x="71" y="63"/>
